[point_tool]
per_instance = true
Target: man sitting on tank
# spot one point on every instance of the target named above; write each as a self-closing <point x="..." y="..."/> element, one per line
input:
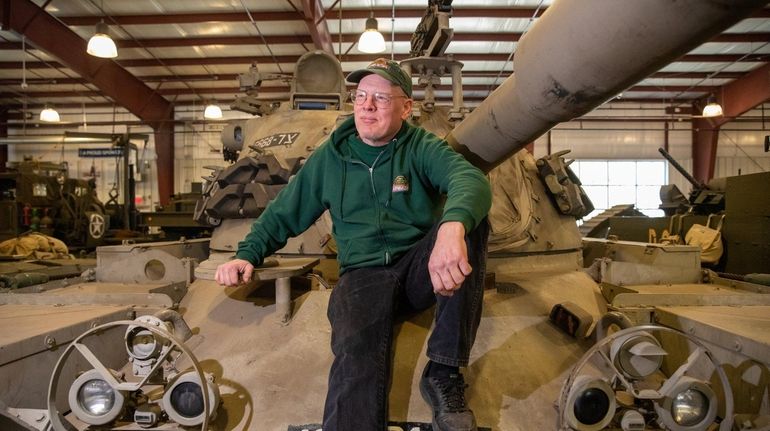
<point x="409" y="217"/>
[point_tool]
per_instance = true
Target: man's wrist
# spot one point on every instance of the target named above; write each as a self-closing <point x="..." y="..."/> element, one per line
<point x="453" y="227"/>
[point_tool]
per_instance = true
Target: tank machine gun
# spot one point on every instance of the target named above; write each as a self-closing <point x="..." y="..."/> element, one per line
<point x="249" y="83"/>
<point x="433" y="34"/>
<point x="429" y="61"/>
<point x="704" y="198"/>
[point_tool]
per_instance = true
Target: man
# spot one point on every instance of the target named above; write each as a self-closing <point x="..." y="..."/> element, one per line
<point x="409" y="217"/>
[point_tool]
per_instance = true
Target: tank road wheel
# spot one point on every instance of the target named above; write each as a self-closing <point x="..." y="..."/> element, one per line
<point x="99" y="396"/>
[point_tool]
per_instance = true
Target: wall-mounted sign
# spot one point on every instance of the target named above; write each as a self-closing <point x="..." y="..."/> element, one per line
<point x="100" y="152"/>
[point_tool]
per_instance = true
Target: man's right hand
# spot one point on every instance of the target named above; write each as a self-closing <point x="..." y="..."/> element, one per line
<point x="233" y="272"/>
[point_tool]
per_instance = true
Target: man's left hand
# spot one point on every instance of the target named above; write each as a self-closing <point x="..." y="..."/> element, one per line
<point x="448" y="265"/>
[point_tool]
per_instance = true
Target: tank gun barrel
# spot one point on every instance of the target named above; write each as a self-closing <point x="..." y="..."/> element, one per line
<point x="697" y="184"/>
<point x="580" y="54"/>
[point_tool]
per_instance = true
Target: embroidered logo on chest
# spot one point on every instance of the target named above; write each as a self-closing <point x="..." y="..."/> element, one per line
<point x="400" y="184"/>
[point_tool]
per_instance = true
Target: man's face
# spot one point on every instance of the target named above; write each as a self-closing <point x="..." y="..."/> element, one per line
<point x="377" y="125"/>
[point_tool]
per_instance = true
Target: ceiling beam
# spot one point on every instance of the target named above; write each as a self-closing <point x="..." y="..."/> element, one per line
<point x="347" y="38"/>
<point x="284" y="88"/>
<point x="743" y="94"/>
<point x="282" y="97"/>
<point x="48" y="34"/>
<point x="316" y="25"/>
<point x="221" y="77"/>
<point x="291" y="59"/>
<point x="332" y="14"/>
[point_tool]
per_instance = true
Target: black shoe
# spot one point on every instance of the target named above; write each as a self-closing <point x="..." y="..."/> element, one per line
<point x="446" y="396"/>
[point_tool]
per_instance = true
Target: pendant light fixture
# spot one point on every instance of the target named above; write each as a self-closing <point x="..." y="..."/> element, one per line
<point x="101" y="44"/>
<point x="49" y="115"/>
<point x="212" y="111"/>
<point x="712" y="108"/>
<point x="371" y="40"/>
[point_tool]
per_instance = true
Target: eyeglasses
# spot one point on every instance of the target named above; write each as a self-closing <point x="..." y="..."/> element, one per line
<point x="381" y="100"/>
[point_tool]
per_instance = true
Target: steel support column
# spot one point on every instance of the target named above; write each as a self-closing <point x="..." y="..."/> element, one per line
<point x="3" y="134"/>
<point x="164" y="147"/>
<point x="705" y="136"/>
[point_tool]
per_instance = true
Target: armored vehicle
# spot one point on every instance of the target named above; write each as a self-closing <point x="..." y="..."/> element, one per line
<point x="644" y="340"/>
<point x="732" y="212"/>
<point x="41" y="197"/>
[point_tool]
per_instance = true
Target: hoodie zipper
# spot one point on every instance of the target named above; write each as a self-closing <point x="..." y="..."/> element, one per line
<point x="377" y="203"/>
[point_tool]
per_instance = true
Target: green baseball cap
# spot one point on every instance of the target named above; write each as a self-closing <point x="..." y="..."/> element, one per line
<point x="387" y="69"/>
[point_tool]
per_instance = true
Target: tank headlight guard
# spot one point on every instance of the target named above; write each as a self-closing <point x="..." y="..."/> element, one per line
<point x="628" y="363"/>
<point x="93" y="400"/>
<point x="100" y="396"/>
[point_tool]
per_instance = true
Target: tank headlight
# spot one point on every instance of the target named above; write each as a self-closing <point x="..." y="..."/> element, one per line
<point x="637" y="355"/>
<point x="143" y="344"/>
<point x="96" y="397"/>
<point x="590" y="404"/>
<point x="183" y="399"/>
<point x="93" y="400"/>
<point x="689" y="405"/>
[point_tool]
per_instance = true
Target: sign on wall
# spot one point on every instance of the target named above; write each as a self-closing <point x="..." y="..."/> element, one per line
<point x="100" y="152"/>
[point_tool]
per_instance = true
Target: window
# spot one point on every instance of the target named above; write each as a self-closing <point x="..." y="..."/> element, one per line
<point x="613" y="182"/>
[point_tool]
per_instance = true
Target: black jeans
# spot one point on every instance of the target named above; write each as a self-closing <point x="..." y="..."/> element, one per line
<point x="362" y="309"/>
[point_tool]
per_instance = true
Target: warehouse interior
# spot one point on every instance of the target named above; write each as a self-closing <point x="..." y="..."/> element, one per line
<point x="612" y="130"/>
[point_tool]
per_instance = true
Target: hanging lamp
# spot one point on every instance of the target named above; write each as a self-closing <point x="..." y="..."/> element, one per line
<point x="212" y="111"/>
<point x="712" y="108"/>
<point x="49" y="114"/>
<point x="101" y="44"/>
<point x="371" y="40"/>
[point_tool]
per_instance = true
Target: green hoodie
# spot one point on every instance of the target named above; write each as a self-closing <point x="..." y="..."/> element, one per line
<point x="378" y="212"/>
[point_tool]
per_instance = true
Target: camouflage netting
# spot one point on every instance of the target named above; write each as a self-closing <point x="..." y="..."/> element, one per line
<point x="35" y="246"/>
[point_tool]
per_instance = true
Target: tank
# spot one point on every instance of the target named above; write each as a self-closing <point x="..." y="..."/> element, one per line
<point x="641" y="339"/>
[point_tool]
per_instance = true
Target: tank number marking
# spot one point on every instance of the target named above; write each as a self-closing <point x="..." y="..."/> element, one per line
<point x="277" y="139"/>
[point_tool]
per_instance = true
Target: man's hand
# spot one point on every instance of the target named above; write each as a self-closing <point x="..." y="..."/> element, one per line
<point x="448" y="265"/>
<point x="231" y="273"/>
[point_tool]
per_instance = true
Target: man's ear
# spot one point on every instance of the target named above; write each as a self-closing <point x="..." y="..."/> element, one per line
<point x="407" y="109"/>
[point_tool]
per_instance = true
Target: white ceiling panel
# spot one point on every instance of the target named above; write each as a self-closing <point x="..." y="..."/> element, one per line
<point x="733" y="48"/>
<point x="684" y="81"/>
<point x="744" y="66"/>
